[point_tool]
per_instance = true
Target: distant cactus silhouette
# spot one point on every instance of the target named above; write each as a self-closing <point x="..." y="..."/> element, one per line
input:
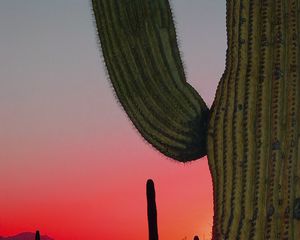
<point x="251" y="134"/>
<point x="37" y="235"/>
<point x="151" y="210"/>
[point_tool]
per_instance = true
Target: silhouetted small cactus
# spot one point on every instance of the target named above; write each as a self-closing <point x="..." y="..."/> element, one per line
<point x="37" y="235"/>
<point x="152" y="213"/>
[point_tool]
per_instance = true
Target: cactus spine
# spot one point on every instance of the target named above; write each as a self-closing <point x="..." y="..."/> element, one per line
<point x="151" y="210"/>
<point x="253" y="125"/>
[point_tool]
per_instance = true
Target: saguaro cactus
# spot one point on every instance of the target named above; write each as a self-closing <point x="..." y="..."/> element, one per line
<point x="151" y="210"/>
<point x="37" y="235"/>
<point x="250" y="134"/>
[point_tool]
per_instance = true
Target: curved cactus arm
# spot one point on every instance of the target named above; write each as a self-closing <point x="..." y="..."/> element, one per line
<point x="138" y="42"/>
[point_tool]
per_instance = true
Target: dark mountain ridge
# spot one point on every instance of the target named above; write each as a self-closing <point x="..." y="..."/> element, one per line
<point x="25" y="236"/>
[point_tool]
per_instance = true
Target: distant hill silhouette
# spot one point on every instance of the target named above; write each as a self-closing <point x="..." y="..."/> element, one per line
<point x="25" y="236"/>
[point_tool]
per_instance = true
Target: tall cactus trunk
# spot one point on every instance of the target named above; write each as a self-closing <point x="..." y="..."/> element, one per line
<point x="253" y="135"/>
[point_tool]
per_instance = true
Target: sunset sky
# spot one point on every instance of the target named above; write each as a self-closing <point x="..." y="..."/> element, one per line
<point x="71" y="163"/>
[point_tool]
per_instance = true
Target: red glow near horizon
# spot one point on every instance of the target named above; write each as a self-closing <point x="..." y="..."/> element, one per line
<point x="184" y="204"/>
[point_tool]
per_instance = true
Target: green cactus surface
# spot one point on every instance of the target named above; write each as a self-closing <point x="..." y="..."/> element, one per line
<point x="251" y="134"/>
<point x="139" y="46"/>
